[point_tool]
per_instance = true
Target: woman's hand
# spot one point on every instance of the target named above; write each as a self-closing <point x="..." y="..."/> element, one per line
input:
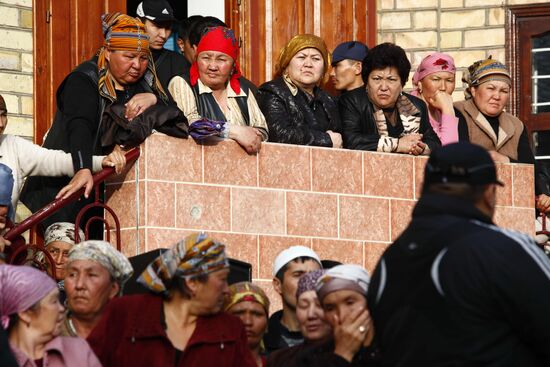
<point x="248" y="137"/>
<point x="418" y="149"/>
<point x="443" y="102"/>
<point x="116" y="159"/>
<point x="83" y="178"/>
<point x="336" y="139"/>
<point x="3" y="244"/>
<point x="407" y="142"/>
<point x="543" y="203"/>
<point x="498" y="157"/>
<point x="139" y="103"/>
<point x="351" y="332"/>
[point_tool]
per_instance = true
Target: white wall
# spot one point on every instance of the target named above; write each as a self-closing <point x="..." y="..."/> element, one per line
<point x="215" y="8"/>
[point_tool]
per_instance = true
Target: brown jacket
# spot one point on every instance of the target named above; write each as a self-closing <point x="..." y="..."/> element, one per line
<point x="480" y="131"/>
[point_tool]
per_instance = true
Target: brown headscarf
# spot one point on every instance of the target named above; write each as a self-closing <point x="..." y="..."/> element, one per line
<point x="298" y="43"/>
<point x="124" y="33"/>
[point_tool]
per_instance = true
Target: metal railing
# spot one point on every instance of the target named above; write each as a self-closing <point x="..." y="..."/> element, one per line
<point x="15" y="232"/>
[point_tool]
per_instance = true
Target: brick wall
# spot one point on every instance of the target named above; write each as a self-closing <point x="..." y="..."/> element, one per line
<point x="468" y="30"/>
<point x="347" y="205"/>
<point x="16" y="64"/>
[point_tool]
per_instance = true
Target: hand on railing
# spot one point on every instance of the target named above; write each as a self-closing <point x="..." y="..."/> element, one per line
<point x="63" y="200"/>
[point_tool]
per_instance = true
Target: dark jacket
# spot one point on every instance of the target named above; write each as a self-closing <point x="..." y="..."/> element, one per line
<point x="131" y="334"/>
<point x="319" y="354"/>
<point x="117" y="129"/>
<point x="278" y="336"/>
<point x="168" y="64"/>
<point x="359" y="129"/>
<point x="6" y="356"/>
<point x="455" y="290"/>
<point x="76" y="129"/>
<point x="292" y="119"/>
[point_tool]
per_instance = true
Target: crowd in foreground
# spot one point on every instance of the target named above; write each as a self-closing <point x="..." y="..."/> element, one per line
<point x="453" y="289"/>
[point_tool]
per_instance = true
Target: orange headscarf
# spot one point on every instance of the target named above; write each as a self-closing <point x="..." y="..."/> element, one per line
<point x="124" y="33"/>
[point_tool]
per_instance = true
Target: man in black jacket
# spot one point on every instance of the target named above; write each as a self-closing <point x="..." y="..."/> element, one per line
<point x="454" y="289"/>
<point x="158" y="17"/>
<point x="347" y="65"/>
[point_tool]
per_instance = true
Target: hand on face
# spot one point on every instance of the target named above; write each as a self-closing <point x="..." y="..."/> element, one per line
<point x="350" y="332"/>
<point x="443" y="102"/>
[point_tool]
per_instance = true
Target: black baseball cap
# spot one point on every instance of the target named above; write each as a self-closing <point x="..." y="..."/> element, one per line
<point x="461" y="163"/>
<point x="352" y="50"/>
<point x="157" y="11"/>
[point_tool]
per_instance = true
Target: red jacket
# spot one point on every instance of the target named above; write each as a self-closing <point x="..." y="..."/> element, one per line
<point x="130" y="334"/>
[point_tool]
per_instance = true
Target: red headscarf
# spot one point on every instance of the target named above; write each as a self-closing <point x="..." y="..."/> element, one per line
<point x="220" y="39"/>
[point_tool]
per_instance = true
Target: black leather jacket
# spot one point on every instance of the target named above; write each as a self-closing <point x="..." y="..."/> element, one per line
<point x="291" y="119"/>
<point x="359" y="130"/>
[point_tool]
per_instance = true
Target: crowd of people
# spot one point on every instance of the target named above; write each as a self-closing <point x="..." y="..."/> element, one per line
<point x="452" y="290"/>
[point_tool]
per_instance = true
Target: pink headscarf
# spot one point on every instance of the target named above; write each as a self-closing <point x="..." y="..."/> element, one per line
<point x="433" y="63"/>
<point x="20" y="288"/>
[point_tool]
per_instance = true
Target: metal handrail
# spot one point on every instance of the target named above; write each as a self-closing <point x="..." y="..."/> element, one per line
<point x="57" y="204"/>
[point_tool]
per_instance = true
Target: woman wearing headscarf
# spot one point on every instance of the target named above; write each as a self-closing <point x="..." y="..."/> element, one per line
<point x="502" y="134"/>
<point x="32" y="315"/>
<point x="249" y="303"/>
<point x="434" y="82"/>
<point x="95" y="274"/>
<point x="297" y="110"/>
<point x="121" y="74"/>
<point x="342" y="291"/>
<point x="59" y="238"/>
<point x="184" y="325"/>
<point x="215" y="93"/>
<point x="487" y="93"/>
<point x="313" y="325"/>
<point x="381" y="117"/>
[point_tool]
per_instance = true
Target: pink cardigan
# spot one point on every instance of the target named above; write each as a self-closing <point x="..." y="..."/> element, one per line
<point x="61" y="352"/>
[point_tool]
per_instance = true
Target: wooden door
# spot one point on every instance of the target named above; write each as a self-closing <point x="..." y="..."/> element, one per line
<point x="265" y="26"/>
<point x="65" y="34"/>
<point x="529" y="57"/>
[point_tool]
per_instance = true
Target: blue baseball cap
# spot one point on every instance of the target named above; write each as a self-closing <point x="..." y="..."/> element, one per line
<point x="352" y="50"/>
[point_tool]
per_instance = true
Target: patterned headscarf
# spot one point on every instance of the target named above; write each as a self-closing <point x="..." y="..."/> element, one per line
<point x="433" y="63"/>
<point x="6" y="189"/>
<point x="62" y="231"/>
<point x="20" y="288"/>
<point x="246" y="291"/>
<point x="483" y="71"/>
<point x="347" y="276"/>
<point x="107" y="256"/>
<point x="298" y="43"/>
<point x="124" y="33"/>
<point x="195" y="255"/>
<point x="220" y="39"/>
<point x="308" y="281"/>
